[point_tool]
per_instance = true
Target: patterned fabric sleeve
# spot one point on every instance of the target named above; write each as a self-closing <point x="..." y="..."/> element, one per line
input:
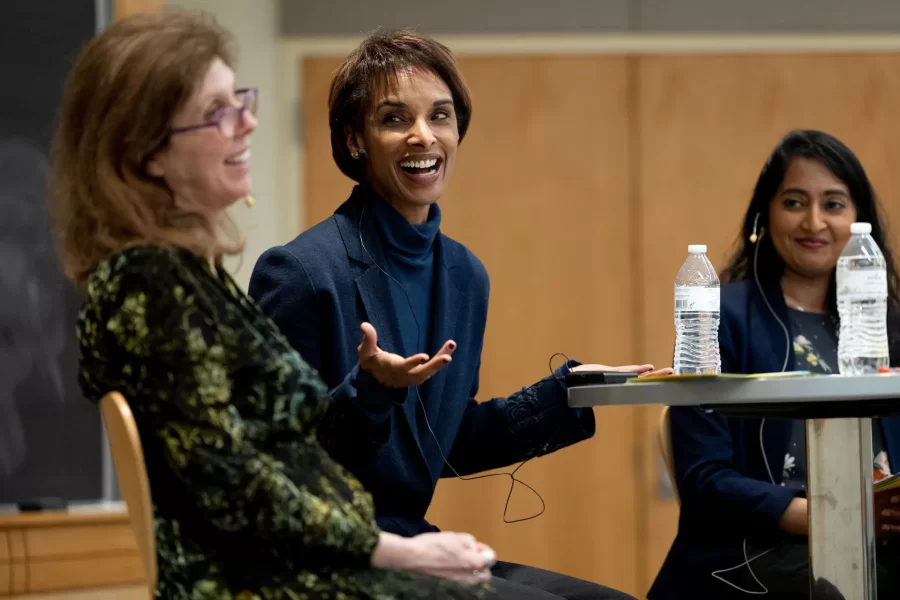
<point x="151" y="331"/>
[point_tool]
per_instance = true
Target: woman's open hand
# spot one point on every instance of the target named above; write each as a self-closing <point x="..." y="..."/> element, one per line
<point x="392" y="370"/>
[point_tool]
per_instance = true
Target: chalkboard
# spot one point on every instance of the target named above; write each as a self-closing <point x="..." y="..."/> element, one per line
<point x="51" y="439"/>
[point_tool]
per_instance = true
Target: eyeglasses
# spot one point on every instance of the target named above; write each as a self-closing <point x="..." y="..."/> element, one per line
<point x="228" y="118"/>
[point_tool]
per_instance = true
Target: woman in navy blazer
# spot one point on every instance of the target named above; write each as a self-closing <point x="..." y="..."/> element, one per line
<point x="742" y="481"/>
<point x="398" y="110"/>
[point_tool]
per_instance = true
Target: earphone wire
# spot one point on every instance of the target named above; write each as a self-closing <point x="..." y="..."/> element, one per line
<point x="787" y="352"/>
<point x="787" y="335"/>
<point x="511" y="474"/>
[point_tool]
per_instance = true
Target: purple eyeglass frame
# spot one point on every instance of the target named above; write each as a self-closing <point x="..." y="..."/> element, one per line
<point x="217" y="123"/>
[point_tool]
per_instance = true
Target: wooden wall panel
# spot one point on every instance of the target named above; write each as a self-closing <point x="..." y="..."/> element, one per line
<point x="325" y="186"/>
<point x="540" y="194"/>
<point x="123" y="8"/>
<point x="707" y="125"/>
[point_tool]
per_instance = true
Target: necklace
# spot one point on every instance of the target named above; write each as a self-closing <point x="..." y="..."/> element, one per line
<point x="791" y="303"/>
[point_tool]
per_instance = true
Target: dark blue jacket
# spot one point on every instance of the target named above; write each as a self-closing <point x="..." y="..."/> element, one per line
<point x="322" y="285"/>
<point x="723" y="481"/>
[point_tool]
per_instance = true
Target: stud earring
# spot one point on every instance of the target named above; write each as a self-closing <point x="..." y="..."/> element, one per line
<point x="249" y="200"/>
<point x="355" y="155"/>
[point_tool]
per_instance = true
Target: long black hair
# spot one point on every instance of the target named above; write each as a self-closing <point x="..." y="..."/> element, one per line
<point x="843" y="164"/>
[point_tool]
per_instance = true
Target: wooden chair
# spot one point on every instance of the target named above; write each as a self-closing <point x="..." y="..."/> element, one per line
<point x="664" y="438"/>
<point x="128" y="457"/>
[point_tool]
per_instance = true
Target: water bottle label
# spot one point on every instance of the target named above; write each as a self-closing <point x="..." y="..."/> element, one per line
<point x="862" y="284"/>
<point x="696" y="299"/>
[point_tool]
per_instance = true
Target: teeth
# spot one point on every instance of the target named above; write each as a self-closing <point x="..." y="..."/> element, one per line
<point x="419" y="164"/>
<point x="239" y="158"/>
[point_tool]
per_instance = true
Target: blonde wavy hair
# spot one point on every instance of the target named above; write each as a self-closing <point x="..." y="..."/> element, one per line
<point x="121" y="95"/>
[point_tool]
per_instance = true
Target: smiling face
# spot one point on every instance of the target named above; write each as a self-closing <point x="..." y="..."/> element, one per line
<point x="810" y="218"/>
<point x="206" y="168"/>
<point x="410" y="140"/>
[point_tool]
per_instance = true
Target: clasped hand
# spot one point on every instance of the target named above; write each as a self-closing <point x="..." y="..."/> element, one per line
<point x="456" y="556"/>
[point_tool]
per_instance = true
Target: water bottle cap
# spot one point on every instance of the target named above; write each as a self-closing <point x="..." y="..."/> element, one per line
<point x="698" y="248"/>
<point x="860" y="228"/>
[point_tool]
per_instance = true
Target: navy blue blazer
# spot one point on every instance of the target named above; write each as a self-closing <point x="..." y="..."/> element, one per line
<point x="321" y="286"/>
<point x="723" y="481"/>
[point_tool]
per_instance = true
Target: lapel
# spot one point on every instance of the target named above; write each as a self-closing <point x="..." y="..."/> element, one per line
<point x="766" y="334"/>
<point x="776" y="440"/>
<point x="890" y="431"/>
<point x="364" y="245"/>
<point x="447" y="299"/>
<point x="769" y="328"/>
<point x="373" y="290"/>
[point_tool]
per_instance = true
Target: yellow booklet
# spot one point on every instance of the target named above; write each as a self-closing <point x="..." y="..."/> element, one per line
<point x="888" y="483"/>
<point x="702" y="376"/>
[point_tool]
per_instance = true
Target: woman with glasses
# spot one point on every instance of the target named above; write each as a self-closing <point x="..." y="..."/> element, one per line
<point x="153" y="146"/>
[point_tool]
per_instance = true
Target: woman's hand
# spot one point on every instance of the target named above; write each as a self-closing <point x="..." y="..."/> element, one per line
<point x="392" y="370"/>
<point x="456" y="556"/>
<point x="641" y="370"/>
<point x="795" y="519"/>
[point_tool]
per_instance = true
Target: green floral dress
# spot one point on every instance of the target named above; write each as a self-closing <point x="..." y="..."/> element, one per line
<point x="247" y="504"/>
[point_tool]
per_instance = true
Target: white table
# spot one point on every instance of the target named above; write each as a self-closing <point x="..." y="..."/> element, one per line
<point x="838" y="412"/>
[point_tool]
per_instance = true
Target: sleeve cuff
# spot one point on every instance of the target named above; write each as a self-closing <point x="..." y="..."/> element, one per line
<point x="778" y="502"/>
<point x="372" y="396"/>
<point x="560" y="376"/>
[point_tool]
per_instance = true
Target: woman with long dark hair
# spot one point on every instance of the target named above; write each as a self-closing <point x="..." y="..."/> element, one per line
<point x="744" y="521"/>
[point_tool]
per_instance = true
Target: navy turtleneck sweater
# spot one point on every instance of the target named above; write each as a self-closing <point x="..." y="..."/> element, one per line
<point x="320" y="287"/>
<point x="409" y="253"/>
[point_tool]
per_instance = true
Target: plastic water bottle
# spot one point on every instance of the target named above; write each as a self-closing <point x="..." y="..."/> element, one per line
<point x="697" y="315"/>
<point x="862" y="304"/>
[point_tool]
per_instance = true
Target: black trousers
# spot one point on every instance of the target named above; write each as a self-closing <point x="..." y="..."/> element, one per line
<point x="784" y="571"/>
<point x="519" y="582"/>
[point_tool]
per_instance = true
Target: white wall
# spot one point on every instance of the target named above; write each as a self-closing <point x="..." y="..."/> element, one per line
<point x="274" y="219"/>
